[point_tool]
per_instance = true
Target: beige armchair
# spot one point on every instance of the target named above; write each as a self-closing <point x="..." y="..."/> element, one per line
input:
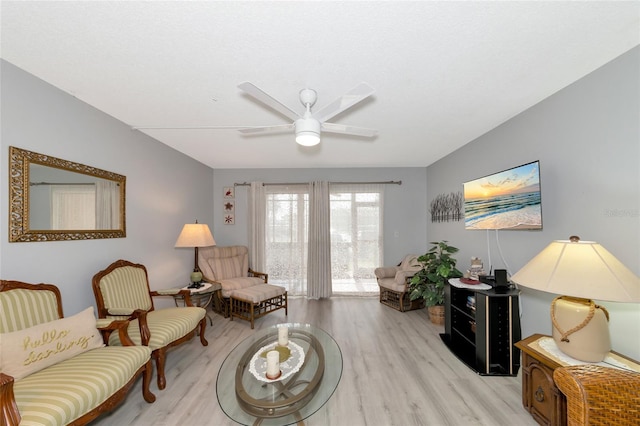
<point x="122" y="292"/>
<point x="228" y="266"/>
<point x="394" y="284"/>
<point x="599" y="395"/>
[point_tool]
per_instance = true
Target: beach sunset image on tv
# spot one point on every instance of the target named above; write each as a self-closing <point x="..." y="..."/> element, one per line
<point x="506" y="200"/>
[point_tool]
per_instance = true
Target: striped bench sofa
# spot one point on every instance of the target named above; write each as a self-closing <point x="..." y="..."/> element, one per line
<point x="62" y="373"/>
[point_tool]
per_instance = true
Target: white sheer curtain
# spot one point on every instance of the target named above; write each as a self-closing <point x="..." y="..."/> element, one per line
<point x="319" y="261"/>
<point x="356" y="237"/>
<point x="350" y="217"/>
<point x="257" y="225"/>
<point x="107" y="205"/>
<point x="73" y="207"/>
<point x="287" y="224"/>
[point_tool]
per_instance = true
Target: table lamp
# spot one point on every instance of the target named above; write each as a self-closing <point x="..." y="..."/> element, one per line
<point x="580" y="271"/>
<point x="195" y="235"/>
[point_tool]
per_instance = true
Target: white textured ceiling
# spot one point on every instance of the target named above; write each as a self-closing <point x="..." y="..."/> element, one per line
<point x="444" y="72"/>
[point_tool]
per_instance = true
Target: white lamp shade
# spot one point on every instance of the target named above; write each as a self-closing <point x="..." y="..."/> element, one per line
<point x="580" y="269"/>
<point x="195" y="235"/>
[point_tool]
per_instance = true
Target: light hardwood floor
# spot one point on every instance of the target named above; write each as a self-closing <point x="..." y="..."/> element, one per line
<point x="396" y="371"/>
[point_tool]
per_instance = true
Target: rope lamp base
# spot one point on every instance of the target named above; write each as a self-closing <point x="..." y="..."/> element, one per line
<point x="580" y="328"/>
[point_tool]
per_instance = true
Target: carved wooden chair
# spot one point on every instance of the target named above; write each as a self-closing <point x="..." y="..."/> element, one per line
<point x="122" y="292"/>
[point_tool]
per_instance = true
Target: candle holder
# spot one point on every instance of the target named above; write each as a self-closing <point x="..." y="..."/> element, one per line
<point x="290" y="361"/>
<point x="270" y="377"/>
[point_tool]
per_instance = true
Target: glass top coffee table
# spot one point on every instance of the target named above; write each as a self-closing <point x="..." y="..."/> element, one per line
<point x="308" y="379"/>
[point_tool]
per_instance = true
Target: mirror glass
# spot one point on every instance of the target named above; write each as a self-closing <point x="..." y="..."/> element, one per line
<point x="53" y="199"/>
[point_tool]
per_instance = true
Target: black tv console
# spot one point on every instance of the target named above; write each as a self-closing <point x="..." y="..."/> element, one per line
<point x="481" y="328"/>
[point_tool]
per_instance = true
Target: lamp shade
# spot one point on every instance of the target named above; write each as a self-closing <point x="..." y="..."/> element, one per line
<point x="580" y="269"/>
<point x="195" y="235"/>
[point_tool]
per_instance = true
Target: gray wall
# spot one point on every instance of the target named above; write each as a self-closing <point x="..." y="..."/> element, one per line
<point x="587" y="138"/>
<point x="404" y="213"/>
<point x="165" y="190"/>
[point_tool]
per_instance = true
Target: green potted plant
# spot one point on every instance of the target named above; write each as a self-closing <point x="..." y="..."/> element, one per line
<point x="428" y="283"/>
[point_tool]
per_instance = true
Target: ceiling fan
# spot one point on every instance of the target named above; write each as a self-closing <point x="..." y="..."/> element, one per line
<point x="308" y="127"/>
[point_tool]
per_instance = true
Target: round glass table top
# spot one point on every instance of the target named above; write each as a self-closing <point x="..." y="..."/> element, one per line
<point x="307" y="381"/>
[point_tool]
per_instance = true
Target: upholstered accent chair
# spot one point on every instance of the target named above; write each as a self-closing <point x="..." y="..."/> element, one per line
<point x="394" y="284"/>
<point x="122" y="292"/>
<point x="73" y="384"/>
<point x="598" y="395"/>
<point x="228" y="266"/>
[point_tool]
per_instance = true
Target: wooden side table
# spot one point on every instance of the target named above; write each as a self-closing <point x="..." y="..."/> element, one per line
<point x="540" y="396"/>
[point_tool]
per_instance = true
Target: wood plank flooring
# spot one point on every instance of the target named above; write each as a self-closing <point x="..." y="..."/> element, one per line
<point x="396" y="371"/>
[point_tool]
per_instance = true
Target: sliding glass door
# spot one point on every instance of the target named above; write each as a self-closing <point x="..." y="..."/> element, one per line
<point x="356" y="237"/>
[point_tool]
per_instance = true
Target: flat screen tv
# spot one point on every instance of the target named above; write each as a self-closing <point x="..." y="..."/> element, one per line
<point x="506" y="200"/>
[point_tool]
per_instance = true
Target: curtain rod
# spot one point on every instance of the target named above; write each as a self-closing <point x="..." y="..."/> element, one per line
<point x="388" y="182"/>
<point x="61" y="183"/>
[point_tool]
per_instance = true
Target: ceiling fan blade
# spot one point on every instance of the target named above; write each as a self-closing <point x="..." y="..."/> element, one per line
<point x="349" y="130"/>
<point x="267" y="129"/>
<point x="268" y="100"/>
<point x="349" y="99"/>
<point x="187" y="127"/>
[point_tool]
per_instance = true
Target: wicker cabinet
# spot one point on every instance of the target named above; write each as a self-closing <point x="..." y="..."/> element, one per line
<point x="540" y="395"/>
<point x="481" y="328"/>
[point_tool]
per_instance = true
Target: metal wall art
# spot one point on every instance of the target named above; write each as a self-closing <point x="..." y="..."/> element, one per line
<point x="447" y="207"/>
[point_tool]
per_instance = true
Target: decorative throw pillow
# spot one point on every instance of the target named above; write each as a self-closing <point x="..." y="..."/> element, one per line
<point x="26" y="351"/>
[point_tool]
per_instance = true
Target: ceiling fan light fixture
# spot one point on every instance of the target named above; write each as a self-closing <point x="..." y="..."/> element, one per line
<point x="307" y="131"/>
<point x="307" y="127"/>
<point x="307" y="138"/>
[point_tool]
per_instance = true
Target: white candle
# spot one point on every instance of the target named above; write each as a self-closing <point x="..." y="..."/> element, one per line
<point x="273" y="364"/>
<point x="283" y="335"/>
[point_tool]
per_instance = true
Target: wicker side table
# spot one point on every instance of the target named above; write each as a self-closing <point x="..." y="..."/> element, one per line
<point x="540" y="395"/>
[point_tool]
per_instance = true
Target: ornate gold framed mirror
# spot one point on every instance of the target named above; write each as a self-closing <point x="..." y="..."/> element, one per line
<point x="51" y="199"/>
